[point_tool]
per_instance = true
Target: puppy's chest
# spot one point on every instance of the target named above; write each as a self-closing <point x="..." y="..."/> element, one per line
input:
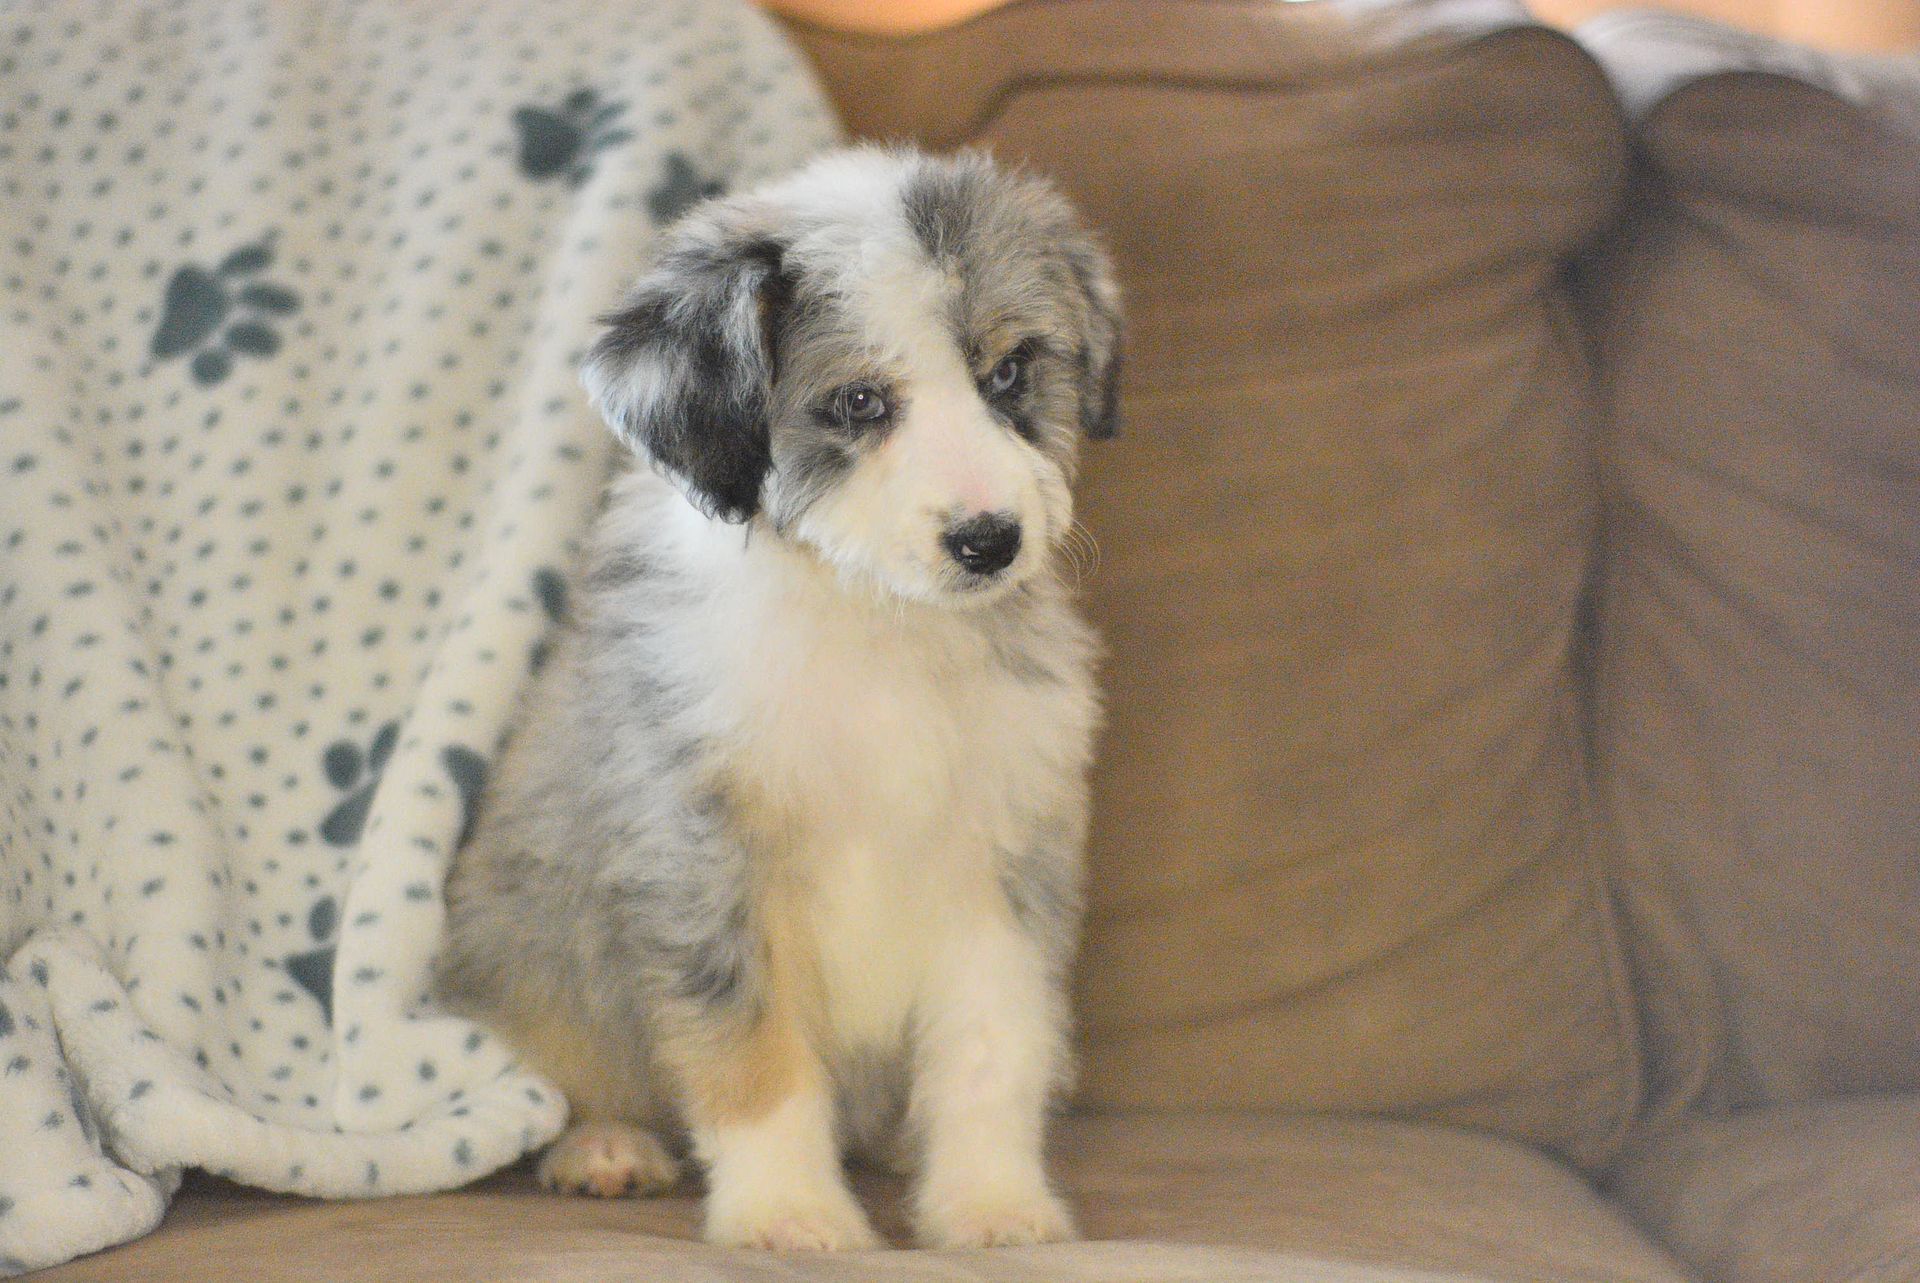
<point x="869" y="740"/>
<point x="900" y="782"/>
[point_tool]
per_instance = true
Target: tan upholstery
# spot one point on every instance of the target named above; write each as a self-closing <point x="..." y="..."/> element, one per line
<point x="1341" y="856"/>
<point x="1206" y="1198"/>
<point x="1758" y="698"/>
<point x="1344" y="859"/>
<point x="1789" y="1194"/>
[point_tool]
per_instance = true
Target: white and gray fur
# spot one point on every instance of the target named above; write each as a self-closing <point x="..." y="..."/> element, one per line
<point x="803" y="731"/>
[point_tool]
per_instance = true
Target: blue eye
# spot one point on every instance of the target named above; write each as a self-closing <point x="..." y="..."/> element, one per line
<point x="1007" y="375"/>
<point x="858" y="403"/>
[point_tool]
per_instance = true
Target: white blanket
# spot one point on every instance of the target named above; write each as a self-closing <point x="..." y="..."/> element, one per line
<point x="293" y="465"/>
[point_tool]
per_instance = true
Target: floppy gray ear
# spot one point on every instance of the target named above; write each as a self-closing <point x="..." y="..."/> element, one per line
<point x="683" y="372"/>
<point x="1100" y="358"/>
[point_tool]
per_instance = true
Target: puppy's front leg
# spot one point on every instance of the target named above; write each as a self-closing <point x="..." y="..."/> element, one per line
<point x="760" y="1109"/>
<point x="990" y="1049"/>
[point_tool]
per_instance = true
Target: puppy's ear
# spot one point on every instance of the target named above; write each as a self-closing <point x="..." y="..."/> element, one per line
<point x="683" y="372"/>
<point x="1101" y="343"/>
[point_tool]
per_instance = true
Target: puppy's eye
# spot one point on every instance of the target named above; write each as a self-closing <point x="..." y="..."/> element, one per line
<point x="858" y="403"/>
<point x="1008" y="375"/>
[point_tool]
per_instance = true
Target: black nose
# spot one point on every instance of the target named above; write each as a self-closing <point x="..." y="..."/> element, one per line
<point x="986" y="544"/>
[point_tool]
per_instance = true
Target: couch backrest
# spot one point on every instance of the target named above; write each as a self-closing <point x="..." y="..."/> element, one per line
<point x="1758" y="688"/>
<point x="1342" y="855"/>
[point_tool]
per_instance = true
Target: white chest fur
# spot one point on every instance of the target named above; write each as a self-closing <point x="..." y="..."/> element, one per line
<point x="907" y="755"/>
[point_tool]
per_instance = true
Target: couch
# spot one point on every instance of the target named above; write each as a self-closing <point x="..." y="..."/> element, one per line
<point x="1507" y="854"/>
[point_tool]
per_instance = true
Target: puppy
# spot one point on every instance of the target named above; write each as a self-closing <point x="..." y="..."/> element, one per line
<point x="785" y="855"/>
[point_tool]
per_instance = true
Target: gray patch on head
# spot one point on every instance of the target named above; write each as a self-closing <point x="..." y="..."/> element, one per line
<point x="809" y="468"/>
<point x="1018" y="250"/>
<point x="1100" y="355"/>
<point x="823" y="348"/>
<point x="940" y="200"/>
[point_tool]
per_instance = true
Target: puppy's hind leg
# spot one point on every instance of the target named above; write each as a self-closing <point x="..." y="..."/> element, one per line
<point x="605" y="1151"/>
<point x="608" y="1159"/>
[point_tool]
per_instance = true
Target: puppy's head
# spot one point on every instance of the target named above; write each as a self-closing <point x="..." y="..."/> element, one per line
<point x="887" y="358"/>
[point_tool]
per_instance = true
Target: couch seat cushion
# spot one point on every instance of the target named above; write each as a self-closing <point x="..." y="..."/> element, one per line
<point x="1829" y="1191"/>
<point x="1212" y="1197"/>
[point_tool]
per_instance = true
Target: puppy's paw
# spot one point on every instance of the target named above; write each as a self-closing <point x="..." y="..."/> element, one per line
<point x="608" y="1160"/>
<point x="989" y="1219"/>
<point x="812" y="1222"/>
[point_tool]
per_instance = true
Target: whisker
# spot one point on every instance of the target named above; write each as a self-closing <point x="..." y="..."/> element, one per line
<point x="1086" y="550"/>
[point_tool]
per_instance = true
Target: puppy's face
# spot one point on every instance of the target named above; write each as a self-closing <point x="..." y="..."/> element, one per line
<point x="886" y="358"/>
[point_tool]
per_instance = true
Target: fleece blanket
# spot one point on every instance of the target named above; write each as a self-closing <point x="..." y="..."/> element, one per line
<point x="293" y="464"/>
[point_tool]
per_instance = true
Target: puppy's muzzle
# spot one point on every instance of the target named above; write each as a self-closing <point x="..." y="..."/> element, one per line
<point x="984" y="545"/>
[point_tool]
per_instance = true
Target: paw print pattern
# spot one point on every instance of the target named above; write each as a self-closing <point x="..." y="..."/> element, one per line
<point x="550" y="588"/>
<point x="563" y="141"/>
<point x="313" y="970"/>
<point x="199" y="303"/>
<point x="348" y="768"/>
<point x="292" y="439"/>
<point x="680" y="188"/>
<point x="469" y="772"/>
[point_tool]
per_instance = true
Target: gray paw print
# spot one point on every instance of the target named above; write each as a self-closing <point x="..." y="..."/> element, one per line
<point x="313" y="969"/>
<point x="198" y="303"/>
<point x="563" y="140"/>
<point x="356" y="775"/>
<point x="680" y="188"/>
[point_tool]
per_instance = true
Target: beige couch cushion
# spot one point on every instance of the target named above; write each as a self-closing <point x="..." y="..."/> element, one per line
<point x="1206" y="1198"/>
<point x="1341" y="854"/>
<point x="1788" y="1194"/>
<point x="1758" y="687"/>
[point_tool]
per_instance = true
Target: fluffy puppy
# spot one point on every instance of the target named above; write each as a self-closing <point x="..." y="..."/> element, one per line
<point x="785" y="855"/>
